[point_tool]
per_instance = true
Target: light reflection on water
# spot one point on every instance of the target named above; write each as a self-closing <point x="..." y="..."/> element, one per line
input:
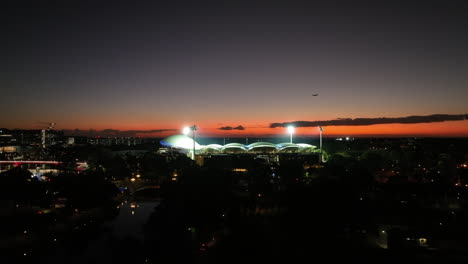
<point x="126" y="228"/>
<point x="131" y="224"/>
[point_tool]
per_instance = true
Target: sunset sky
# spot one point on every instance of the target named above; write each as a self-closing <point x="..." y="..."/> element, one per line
<point x="162" y="65"/>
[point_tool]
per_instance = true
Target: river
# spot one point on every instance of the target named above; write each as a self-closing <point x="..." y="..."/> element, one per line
<point x="108" y="242"/>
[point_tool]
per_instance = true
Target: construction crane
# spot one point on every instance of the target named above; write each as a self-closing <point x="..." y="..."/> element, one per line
<point x="44" y="129"/>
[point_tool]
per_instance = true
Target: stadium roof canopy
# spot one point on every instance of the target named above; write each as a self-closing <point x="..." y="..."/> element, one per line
<point x="186" y="143"/>
<point x="180" y="142"/>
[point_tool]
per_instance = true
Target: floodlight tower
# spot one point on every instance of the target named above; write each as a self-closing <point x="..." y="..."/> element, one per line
<point x="291" y="132"/>
<point x="320" y="155"/>
<point x="186" y="131"/>
<point x="193" y="128"/>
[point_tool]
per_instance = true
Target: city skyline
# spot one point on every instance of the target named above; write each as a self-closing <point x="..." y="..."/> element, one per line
<point x="433" y="125"/>
<point x="159" y="67"/>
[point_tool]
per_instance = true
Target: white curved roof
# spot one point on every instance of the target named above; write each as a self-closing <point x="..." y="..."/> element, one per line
<point x="213" y="146"/>
<point x="180" y="141"/>
<point x="234" y="145"/>
<point x="261" y="145"/>
<point x="186" y="143"/>
<point x="304" y="145"/>
<point x="286" y="145"/>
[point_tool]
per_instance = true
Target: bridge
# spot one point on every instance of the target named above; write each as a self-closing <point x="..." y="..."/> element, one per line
<point x="138" y="185"/>
<point x="37" y="166"/>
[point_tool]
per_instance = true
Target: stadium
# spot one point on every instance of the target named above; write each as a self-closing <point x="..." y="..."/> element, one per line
<point x="183" y="143"/>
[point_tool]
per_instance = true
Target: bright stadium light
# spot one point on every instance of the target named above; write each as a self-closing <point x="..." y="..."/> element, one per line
<point x="291" y="132"/>
<point x="186" y="131"/>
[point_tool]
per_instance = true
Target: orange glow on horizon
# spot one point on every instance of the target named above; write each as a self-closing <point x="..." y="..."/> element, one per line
<point x="439" y="129"/>
<point x="209" y="128"/>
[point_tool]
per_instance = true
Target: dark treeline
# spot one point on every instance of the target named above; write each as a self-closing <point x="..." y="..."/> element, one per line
<point x="372" y="200"/>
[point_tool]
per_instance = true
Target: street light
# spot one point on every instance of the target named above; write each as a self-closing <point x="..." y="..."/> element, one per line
<point x="291" y="132"/>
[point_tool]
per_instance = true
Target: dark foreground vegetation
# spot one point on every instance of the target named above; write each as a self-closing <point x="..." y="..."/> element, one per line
<point x="376" y="200"/>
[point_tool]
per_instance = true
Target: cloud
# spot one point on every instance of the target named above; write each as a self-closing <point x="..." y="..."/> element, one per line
<point x="232" y="128"/>
<point x="374" y="121"/>
<point x="114" y="132"/>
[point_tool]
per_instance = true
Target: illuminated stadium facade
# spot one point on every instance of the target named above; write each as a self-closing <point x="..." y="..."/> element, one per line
<point x="185" y="144"/>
